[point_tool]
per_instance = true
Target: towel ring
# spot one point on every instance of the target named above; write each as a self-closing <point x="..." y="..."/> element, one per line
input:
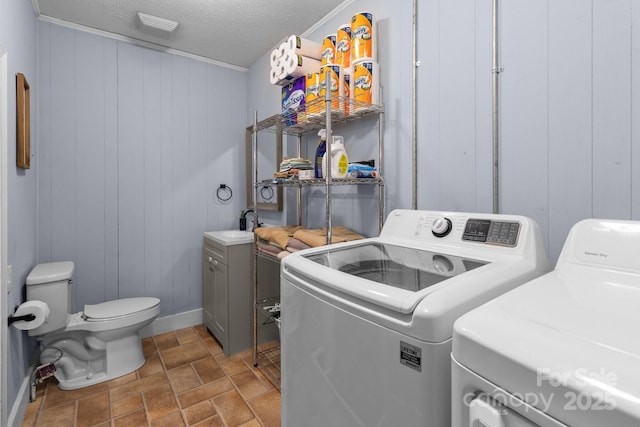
<point x="269" y="193"/>
<point x="224" y="193"/>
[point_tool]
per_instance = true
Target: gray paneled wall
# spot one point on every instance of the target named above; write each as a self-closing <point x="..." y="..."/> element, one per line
<point x="569" y="116"/>
<point x="454" y="106"/>
<point x="18" y="40"/>
<point x="141" y="139"/>
<point x="567" y="112"/>
<point x="569" y="109"/>
<point x="357" y="208"/>
<point x="133" y="145"/>
<point x="569" y="97"/>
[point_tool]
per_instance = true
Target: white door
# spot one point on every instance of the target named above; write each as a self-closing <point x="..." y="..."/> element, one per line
<point x="3" y="235"/>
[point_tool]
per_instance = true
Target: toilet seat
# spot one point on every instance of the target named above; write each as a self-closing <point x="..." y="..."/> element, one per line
<point x="116" y="309"/>
<point x="112" y="315"/>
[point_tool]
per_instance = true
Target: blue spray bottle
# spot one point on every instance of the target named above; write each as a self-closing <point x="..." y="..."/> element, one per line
<point x="322" y="148"/>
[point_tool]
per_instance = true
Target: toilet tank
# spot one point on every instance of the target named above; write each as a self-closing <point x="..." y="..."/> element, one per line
<point x="51" y="283"/>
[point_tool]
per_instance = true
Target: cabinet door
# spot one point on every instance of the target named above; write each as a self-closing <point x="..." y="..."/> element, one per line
<point x="220" y="302"/>
<point x="207" y="288"/>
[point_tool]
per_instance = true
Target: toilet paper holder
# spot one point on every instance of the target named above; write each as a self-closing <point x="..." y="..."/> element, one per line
<point x="27" y="317"/>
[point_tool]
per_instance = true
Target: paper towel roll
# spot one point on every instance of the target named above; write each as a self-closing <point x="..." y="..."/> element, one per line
<point x="274" y="76"/>
<point x="329" y="49"/>
<point x="346" y="80"/>
<point x="343" y="46"/>
<point x="282" y="72"/>
<point x="298" y="45"/>
<point x="275" y="57"/>
<point x="335" y="85"/>
<point x="289" y="61"/>
<point x="37" y="308"/>
<point x="313" y="103"/>
<point x="365" y="85"/>
<point x="283" y="50"/>
<point x="298" y="65"/>
<point x="364" y="37"/>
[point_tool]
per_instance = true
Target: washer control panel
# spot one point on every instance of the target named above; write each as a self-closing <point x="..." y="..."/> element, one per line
<point x="495" y="232"/>
<point x="475" y="229"/>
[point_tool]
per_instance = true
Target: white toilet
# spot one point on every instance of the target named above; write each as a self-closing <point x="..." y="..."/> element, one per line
<point x="95" y="345"/>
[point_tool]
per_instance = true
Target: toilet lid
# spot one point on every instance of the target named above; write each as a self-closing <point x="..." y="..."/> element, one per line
<point x="50" y="272"/>
<point x="118" y="308"/>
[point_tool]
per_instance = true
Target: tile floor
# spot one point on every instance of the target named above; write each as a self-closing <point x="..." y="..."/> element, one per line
<point x="186" y="381"/>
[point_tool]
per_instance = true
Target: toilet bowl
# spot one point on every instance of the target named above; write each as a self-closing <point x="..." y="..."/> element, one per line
<point x="97" y="344"/>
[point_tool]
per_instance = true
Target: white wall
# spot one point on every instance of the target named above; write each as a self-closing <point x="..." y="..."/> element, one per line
<point x="135" y="143"/>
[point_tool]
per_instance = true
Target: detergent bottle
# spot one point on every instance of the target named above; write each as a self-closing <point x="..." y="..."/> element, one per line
<point x="320" y="151"/>
<point x="339" y="160"/>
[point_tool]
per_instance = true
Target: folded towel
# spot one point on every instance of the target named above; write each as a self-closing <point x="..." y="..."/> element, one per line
<point x="318" y="237"/>
<point x="267" y="247"/>
<point x="296" y="244"/>
<point x="278" y="235"/>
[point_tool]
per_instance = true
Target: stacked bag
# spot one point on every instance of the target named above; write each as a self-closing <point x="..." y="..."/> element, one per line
<point x="294" y="58"/>
<point x="301" y="65"/>
<point x="292" y="167"/>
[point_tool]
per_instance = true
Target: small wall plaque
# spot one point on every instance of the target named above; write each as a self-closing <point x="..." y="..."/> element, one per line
<point x="23" y="118"/>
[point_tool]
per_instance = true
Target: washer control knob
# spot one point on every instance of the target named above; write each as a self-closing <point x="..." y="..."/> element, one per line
<point x="441" y="226"/>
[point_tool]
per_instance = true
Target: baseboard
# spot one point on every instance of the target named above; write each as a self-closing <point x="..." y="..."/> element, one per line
<point x="172" y="323"/>
<point x="20" y="404"/>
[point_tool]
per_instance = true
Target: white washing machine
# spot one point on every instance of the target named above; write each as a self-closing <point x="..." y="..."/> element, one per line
<point x="563" y="349"/>
<point x="367" y="325"/>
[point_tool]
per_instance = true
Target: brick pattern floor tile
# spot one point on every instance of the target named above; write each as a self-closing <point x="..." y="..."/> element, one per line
<point x="186" y="381"/>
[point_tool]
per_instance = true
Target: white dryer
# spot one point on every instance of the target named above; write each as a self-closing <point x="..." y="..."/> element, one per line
<point x="367" y="325"/>
<point x="563" y="349"/>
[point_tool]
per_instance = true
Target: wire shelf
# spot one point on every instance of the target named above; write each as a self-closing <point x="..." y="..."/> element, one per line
<point x="309" y="118"/>
<point x="269" y="362"/>
<point x="295" y="182"/>
<point x="270" y="308"/>
<point x="312" y="116"/>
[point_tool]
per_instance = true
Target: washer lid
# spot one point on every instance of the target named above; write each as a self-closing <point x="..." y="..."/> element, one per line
<point x="570" y="334"/>
<point x="50" y="272"/>
<point x="392" y="276"/>
<point x="396" y="266"/>
<point x="119" y="308"/>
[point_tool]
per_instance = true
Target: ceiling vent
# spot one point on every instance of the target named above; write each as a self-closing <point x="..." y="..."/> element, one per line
<point x="155" y="26"/>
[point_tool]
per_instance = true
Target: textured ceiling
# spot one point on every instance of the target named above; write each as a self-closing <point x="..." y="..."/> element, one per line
<point x="235" y="32"/>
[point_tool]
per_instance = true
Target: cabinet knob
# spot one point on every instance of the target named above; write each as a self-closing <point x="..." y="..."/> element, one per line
<point x="210" y="259"/>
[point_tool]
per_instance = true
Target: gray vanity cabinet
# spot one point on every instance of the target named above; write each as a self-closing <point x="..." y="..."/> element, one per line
<point x="227" y="293"/>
